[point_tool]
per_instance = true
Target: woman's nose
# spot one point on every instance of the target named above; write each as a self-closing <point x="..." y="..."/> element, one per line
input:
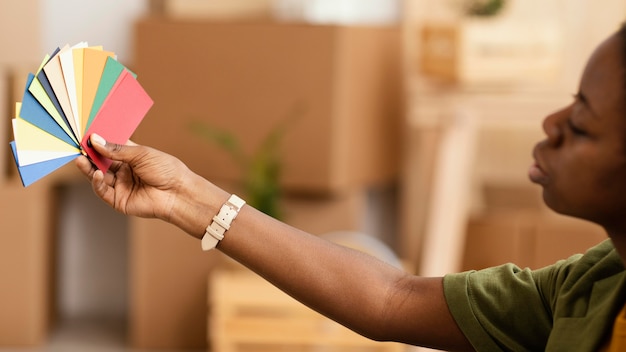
<point x="553" y="127"/>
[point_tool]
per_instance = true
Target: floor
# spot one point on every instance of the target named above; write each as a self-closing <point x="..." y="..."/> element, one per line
<point x="103" y="336"/>
<point x="87" y="336"/>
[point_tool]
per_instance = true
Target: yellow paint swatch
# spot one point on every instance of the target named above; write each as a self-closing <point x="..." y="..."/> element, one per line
<point x="36" y="145"/>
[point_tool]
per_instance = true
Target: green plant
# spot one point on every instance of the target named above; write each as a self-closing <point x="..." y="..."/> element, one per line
<point x="260" y="171"/>
<point x="484" y="8"/>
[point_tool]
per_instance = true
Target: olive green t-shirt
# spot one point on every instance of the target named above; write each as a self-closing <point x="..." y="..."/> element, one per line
<point x="568" y="306"/>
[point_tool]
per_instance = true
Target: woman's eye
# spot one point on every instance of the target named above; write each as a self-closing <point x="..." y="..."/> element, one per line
<point x="574" y="129"/>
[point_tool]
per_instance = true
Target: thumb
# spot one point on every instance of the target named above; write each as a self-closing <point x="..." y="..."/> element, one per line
<point x="110" y="150"/>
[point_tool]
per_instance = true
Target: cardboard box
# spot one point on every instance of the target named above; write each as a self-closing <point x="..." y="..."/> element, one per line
<point x="483" y="51"/>
<point x="6" y="131"/>
<point x="527" y="238"/>
<point x="25" y="263"/>
<point x="168" y="306"/>
<point x="20" y="25"/>
<point x="341" y="86"/>
<point x="498" y="238"/>
<point x="322" y="215"/>
<point x="19" y="53"/>
<point x="27" y="218"/>
<point x="168" y="271"/>
<point x="558" y="237"/>
<point x="216" y="9"/>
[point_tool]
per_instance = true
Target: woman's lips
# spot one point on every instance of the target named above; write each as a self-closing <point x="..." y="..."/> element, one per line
<point x="536" y="174"/>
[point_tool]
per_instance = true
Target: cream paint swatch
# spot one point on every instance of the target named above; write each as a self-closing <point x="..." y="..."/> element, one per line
<point x="54" y="72"/>
<point x="66" y="59"/>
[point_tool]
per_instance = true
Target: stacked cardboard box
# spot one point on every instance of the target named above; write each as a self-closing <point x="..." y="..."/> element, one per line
<point x="27" y="237"/>
<point x="341" y="86"/>
<point x="25" y="263"/>
<point x="26" y="216"/>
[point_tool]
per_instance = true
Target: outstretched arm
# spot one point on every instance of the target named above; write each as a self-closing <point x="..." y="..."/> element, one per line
<point x="355" y="289"/>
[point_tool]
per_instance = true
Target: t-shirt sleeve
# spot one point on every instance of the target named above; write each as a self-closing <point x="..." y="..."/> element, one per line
<point x="500" y="308"/>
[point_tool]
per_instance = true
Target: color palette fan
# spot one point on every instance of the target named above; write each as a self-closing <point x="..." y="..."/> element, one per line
<point x="77" y="91"/>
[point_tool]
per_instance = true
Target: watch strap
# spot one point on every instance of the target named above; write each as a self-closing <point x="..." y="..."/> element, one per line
<point x="221" y="222"/>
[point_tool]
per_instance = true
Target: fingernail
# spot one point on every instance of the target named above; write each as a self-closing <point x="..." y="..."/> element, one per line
<point x="98" y="140"/>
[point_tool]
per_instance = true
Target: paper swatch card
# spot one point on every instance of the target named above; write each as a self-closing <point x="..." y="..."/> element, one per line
<point x="77" y="91"/>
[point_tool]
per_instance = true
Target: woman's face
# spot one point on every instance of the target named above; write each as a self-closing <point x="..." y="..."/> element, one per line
<point x="581" y="164"/>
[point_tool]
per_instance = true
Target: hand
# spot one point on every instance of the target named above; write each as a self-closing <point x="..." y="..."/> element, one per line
<point x="142" y="181"/>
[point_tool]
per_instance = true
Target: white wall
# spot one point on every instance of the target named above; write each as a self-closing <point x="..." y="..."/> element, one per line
<point x="108" y="23"/>
<point x="92" y="257"/>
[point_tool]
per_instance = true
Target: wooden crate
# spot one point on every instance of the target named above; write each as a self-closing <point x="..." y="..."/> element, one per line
<point x="250" y="315"/>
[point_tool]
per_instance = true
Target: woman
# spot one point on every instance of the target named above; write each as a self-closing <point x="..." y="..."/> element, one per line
<point x="572" y="305"/>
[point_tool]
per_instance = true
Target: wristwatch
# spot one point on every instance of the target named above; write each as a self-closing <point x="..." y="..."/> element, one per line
<point x="221" y="222"/>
